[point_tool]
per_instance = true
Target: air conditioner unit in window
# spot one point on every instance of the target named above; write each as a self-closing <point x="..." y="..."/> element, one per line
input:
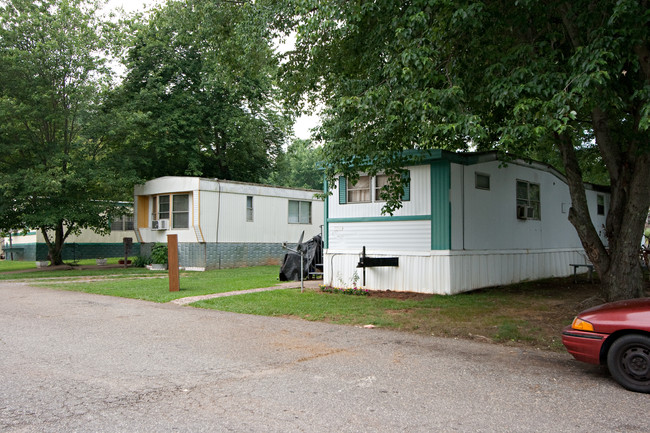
<point x="530" y="212"/>
<point x="159" y="224"/>
<point x="522" y="213"/>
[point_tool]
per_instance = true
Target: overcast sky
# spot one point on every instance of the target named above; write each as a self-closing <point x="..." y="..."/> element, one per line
<point x="303" y="124"/>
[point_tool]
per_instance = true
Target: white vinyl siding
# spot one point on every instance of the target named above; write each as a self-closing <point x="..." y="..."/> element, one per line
<point x="386" y="235"/>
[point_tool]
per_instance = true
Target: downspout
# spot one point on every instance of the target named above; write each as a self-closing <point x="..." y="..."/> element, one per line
<point x="462" y="197"/>
<point x="216" y="246"/>
<point x="326" y="240"/>
<point x="199" y="235"/>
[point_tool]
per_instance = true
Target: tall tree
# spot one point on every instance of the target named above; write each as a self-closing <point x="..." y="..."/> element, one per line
<point x="54" y="176"/>
<point x="199" y="94"/>
<point x="565" y="82"/>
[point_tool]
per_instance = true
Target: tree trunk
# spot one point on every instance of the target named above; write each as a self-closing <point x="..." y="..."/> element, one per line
<point x="624" y="277"/>
<point x="55" y="247"/>
<point x="617" y="264"/>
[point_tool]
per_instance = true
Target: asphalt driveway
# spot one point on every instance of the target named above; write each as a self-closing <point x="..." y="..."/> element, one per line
<point x="74" y="362"/>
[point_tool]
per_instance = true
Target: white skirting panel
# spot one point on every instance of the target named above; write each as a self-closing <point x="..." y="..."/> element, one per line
<point x="450" y="272"/>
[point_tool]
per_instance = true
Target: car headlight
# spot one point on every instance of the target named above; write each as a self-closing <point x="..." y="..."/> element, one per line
<point x="582" y="325"/>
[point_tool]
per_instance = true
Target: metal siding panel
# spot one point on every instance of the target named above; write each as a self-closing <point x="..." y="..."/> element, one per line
<point x="208" y="214"/>
<point x="490" y="216"/>
<point x="450" y="272"/>
<point x="423" y="274"/>
<point x="386" y="235"/>
<point x="270" y="220"/>
<point x="474" y="270"/>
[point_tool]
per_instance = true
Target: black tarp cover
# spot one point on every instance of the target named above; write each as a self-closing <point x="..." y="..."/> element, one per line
<point x="290" y="270"/>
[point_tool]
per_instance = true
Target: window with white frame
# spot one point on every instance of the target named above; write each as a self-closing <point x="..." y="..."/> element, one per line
<point x="174" y="207"/>
<point x="249" y="208"/>
<point x="528" y="200"/>
<point x="180" y="211"/>
<point x="360" y="192"/>
<point x="381" y="180"/>
<point x="299" y="212"/>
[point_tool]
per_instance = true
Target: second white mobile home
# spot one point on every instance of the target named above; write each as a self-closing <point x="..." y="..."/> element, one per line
<point x="223" y="224"/>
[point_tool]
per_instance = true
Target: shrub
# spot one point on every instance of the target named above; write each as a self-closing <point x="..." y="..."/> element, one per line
<point x="159" y="254"/>
<point x="141" y="261"/>
<point x="357" y="291"/>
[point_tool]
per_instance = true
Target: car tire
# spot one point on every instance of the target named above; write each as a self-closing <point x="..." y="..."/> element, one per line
<point x="628" y="361"/>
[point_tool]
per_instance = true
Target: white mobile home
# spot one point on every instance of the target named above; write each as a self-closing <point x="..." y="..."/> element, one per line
<point x="468" y="221"/>
<point x="223" y="224"/>
<point x="31" y="246"/>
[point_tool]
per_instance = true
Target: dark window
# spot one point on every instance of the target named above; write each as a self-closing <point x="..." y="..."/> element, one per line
<point x="249" y="208"/>
<point x="528" y="200"/>
<point x="482" y="181"/>
<point x="600" y="204"/>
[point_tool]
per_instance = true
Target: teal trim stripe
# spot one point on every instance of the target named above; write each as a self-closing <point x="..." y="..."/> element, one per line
<point x="440" y="205"/>
<point x="382" y="218"/>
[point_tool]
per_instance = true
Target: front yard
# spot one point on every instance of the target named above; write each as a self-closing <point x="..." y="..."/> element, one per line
<point x="530" y="314"/>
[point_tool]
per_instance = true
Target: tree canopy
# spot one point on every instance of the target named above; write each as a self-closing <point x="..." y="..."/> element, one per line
<point x="562" y="82"/>
<point x="199" y="93"/>
<point x="54" y="174"/>
<point x="298" y="167"/>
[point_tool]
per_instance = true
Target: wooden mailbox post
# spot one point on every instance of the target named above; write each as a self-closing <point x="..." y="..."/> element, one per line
<point x="172" y="260"/>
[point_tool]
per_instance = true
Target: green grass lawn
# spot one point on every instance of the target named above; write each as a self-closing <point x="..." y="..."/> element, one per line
<point x="8" y="265"/>
<point x="154" y="286"/>
<point x="531" y="314"/>
<point x="31" y="272"/>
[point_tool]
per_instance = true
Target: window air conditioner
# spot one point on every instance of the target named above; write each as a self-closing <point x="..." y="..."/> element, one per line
<point x="159" y="224"/>
<point x="522" y="213"/>
<point x="529" y="212"/>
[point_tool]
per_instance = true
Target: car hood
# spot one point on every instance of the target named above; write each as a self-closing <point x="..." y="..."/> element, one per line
<point x="614" y="316"/>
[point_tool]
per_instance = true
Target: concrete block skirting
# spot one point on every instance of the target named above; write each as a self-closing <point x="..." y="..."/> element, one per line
<point x="227" y="255"/>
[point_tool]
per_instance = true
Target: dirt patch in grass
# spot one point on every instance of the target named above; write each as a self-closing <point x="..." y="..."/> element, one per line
<point x="529" y="314"/>
<point x="400" y="295"/>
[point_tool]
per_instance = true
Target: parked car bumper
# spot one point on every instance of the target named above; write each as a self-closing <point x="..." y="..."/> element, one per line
<point x="584" y="346"/>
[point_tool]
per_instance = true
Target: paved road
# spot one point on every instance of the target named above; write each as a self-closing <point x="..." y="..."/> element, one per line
<point x="72" y="362"/>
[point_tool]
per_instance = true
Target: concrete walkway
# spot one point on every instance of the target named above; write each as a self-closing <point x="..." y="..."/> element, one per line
<point x="311" y="284"/>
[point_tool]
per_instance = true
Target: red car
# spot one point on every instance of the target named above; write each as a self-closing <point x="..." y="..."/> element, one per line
<point x="617" y="335"/>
